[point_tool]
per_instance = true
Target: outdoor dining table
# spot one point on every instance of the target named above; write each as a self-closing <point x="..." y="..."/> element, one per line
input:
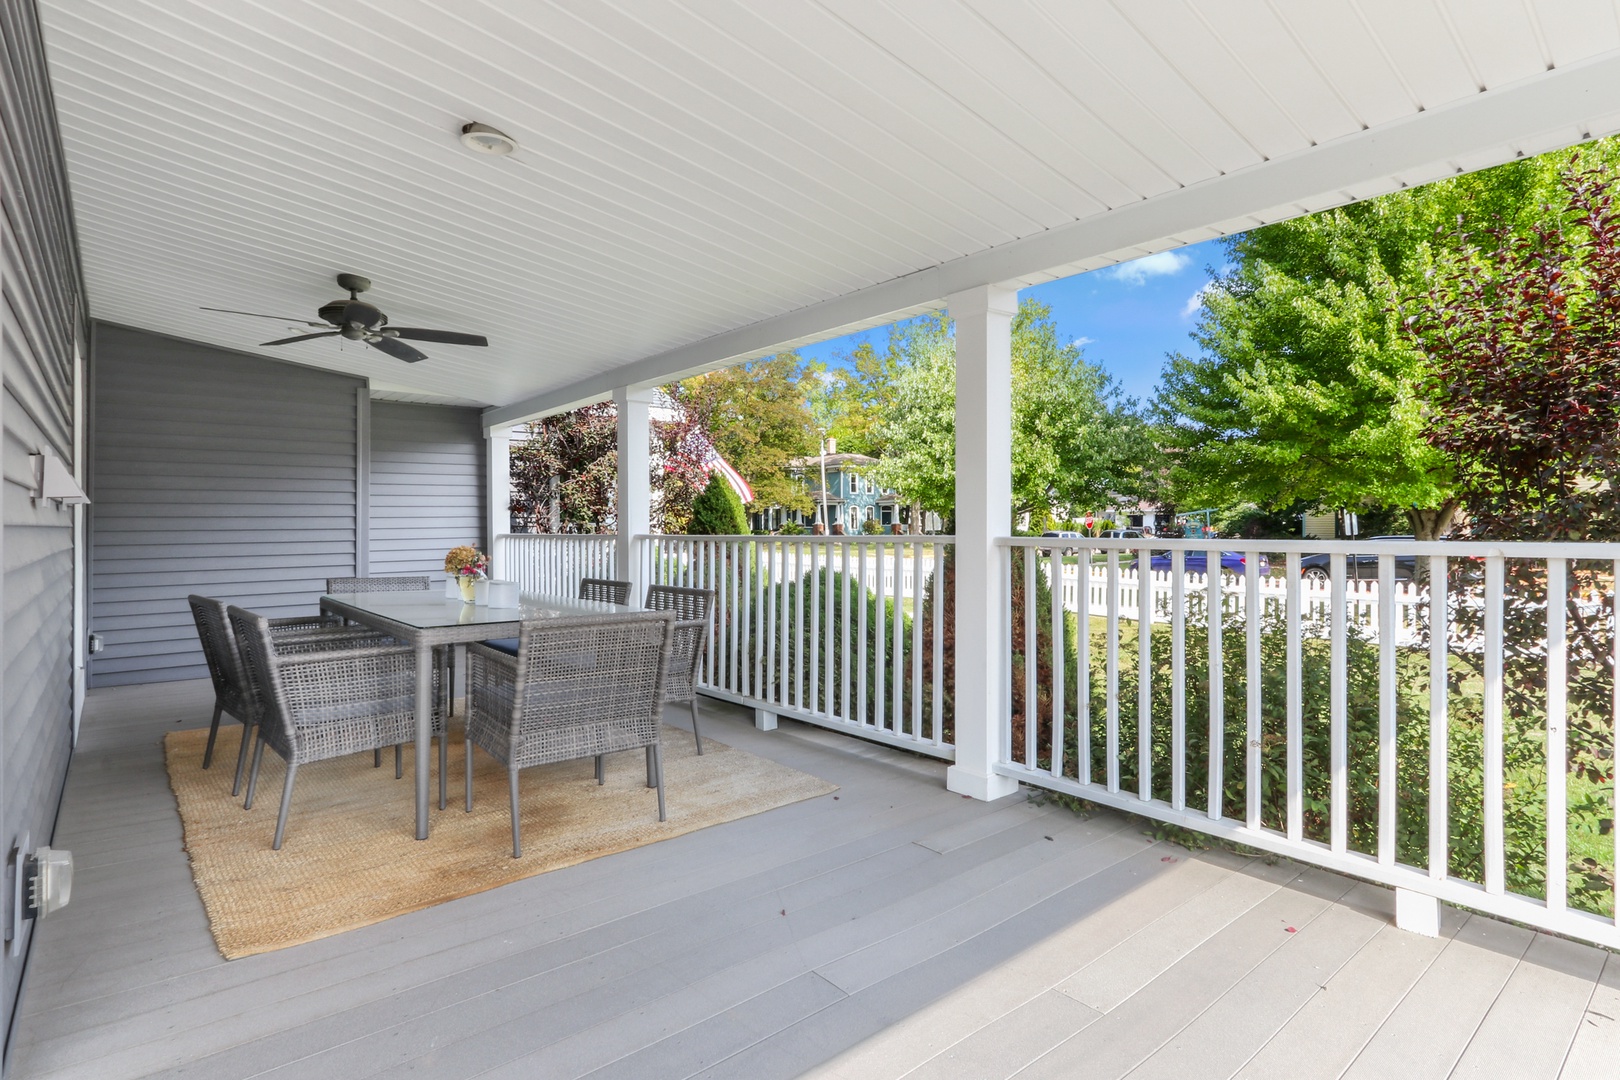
<point x="426" y="620"/>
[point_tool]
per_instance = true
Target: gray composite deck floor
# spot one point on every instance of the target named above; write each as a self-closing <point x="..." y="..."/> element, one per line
<point x="897" y="930"/>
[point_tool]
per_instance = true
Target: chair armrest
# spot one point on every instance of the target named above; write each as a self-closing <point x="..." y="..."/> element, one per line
<point x="352" y="680"/>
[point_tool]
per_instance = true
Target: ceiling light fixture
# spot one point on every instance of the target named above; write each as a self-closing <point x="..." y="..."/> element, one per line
<point x="483" y="139"/>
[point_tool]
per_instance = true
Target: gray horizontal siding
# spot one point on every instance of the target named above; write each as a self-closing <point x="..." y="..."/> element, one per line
<point x="40" y="302"/>
<point x="427" y="485"/>
<point x="218" y="473"/>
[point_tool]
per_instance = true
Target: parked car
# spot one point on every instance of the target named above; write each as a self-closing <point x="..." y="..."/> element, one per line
<point x="1121" y="534"/>
<point x="1063" y="534"/>
<point x="1361" y="566"/>
<point x="1232" y="562"/>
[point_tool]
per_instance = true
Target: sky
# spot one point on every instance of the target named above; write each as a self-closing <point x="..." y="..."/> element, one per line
<point x="1124" y="317"/>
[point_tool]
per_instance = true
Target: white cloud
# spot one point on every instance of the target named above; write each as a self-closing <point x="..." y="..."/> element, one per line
<point x="1080" y="342"/>
<point x="1163" y="264"/>
<point x="1195" y="301"/>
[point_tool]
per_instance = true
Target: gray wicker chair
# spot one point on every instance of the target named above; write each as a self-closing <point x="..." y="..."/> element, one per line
<point x="325" y="703"/>
<point x="580" y="686"/>
<point x="608" y="592"/>
<point x="444" y="656"/>
<point x="692" y="608"/>
<point x="234" y="694"/>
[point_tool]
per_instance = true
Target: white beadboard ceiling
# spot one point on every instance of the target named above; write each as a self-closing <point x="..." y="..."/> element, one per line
<point x="693" y="173"/>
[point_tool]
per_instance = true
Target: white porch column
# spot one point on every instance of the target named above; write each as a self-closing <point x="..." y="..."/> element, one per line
<point x="498" y="481"/>
<point x="633" y="504"/>
<point x="983" y="513"/>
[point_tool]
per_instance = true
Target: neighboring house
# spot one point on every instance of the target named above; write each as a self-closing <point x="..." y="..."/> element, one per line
<point x="852" y="497"/>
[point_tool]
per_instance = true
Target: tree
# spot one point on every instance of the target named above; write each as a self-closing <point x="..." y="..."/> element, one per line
<point x="717" y="511"/>
<point x="850" y="402"/>
<point x="1522" y="335"/>
<point x="757" y="418"/>
<point x="1306" y="386"/>
<point x="1076" y="444"/>
<point x="564" y="475"/>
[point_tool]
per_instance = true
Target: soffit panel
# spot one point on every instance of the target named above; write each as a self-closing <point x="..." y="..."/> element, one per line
<point x="686" y="169"/>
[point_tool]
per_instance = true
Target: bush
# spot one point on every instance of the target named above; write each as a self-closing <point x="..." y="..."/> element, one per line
<point x="717" y="511"/>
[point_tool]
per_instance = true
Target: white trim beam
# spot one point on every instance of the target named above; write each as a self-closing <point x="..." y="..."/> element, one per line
<point x="1553" y="108"/>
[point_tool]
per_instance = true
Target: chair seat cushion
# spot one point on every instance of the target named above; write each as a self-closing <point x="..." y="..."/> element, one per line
<point x="507" y="645"/>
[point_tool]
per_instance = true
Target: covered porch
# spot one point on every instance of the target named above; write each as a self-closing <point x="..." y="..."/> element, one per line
<point x="694" y="187"/>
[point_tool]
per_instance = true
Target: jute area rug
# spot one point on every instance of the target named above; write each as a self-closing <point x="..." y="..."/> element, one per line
<point x="350" y="858"/>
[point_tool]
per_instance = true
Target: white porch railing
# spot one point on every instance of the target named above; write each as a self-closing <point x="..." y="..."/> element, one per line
<point x="1414" y="751"/>
<point x="839" y="631"/>
<point x="551" y="564"/>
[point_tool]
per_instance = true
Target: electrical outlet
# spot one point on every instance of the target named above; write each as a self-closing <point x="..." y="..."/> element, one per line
<point x="96" y="644"/>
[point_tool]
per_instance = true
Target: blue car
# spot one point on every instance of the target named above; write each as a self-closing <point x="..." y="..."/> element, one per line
<point x="1232" y="562"/>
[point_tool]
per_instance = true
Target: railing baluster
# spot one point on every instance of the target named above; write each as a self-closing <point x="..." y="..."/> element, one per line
<point x="774" y="687"/>
<point x="1614" y="716"/>
<point x="1031" y="644"/>
<point x="1144" y="674"/>
<point x="828" y="697"/>
<point x="1054" y="563"/>
<point x="879" y="629"/>
<point x="1217" y="686"/>
<point x="1388" y="795"/>
<point x="848" y="625"/>
<point x="1178" y="681"/>
<point x="1557" y="758"/>
<point x="917" y="640"/>
<point x="1338" y="690"/>
<point x="1112" y="644"/>
<point x="1253" y="623"/>
<point x="814" y="636"/>
<point x="936" y="731"/>
<point x="1082" y="671"/>
<point x="897" y="634"/>
<point x="1296" y="707"/>
<point x="1439" y="731"/>
<point x="860" y="653"/>
<point x="1495" y="573"/>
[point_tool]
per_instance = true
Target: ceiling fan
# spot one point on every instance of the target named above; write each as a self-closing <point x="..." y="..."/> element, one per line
<point x="357" y="320"/>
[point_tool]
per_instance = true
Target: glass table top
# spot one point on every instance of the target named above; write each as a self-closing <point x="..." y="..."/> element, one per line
<point x="427" y="609"/>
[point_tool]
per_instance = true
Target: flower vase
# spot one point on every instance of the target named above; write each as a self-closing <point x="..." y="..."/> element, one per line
<point x="466" y="581"/>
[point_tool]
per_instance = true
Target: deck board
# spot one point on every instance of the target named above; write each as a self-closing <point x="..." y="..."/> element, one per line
<point x="896" y="930"/>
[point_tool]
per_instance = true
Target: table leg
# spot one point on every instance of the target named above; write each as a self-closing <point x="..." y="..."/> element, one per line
<point x="424" y="733"/>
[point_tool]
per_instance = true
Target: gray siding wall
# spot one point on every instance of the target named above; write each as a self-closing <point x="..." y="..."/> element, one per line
<point x="216" y="472"/>
<point x="40" y="302"/>
<point x="427" y="486"/>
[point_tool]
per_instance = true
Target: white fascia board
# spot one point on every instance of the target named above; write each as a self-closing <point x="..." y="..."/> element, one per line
<point x="1581" y="101"/>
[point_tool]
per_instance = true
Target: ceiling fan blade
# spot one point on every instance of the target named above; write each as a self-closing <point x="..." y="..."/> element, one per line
<point x="447" y="337"/>
<point x="256" y="315"/>
<point x="300" y="337"/>
<point x="397" y="349"/>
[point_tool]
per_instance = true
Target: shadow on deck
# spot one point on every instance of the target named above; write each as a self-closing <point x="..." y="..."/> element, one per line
<point x="897" y="930"/>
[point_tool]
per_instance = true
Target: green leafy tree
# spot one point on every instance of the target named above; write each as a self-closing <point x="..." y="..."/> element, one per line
<point x="756" y="414"/>
<point x="1306" y="387"/>
<point x="717" y="511"/>
<point x="1076" y="444"/>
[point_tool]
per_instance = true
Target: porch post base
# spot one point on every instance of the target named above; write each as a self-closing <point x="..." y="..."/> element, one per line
<point x="975" y="785"/>
<point x="764" y="720"/>
<point x="1417" y="913"/>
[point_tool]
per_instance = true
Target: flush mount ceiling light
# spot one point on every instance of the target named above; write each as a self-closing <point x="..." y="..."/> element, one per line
<point x="483" y="139"/>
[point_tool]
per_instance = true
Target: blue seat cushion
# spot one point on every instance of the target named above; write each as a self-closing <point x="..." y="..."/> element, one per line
<point x="508" y="645"/>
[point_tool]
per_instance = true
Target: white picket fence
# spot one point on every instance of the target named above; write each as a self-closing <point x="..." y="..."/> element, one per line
<point x="1361" y="598"/>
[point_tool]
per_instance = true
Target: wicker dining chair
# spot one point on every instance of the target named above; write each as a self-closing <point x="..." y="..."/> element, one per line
<point x="444" y="656"/>
<point x="234" y="694"/>
<point x="580" y="686"/>
<point x="604" y="590"/>
<point x="692" y="608"/>
<point x="325" y="703"/>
